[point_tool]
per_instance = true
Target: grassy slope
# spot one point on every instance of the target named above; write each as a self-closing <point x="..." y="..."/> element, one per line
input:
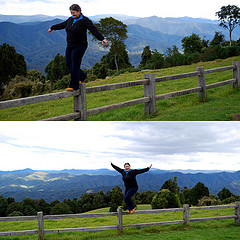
<point x="220" y="104"/>
<point x="220" y="229"/>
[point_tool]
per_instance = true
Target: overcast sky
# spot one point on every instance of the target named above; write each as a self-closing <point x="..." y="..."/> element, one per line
<point x="92" y="145"/>
<point x="170" y="8"/>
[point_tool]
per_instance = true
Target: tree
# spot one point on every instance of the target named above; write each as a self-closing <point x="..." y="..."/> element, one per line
<point x="192" y="44"/>
<point x="61" y="208"/>
<point x="218" y="39"/>
<point x="3" y="206"/>
<point x="172" y="186"/>
<point x="224" y="193"/>
<point x="197" y="192"/>
<point x="11" y="64"/>
<point x="146" y="55"/>
<point x="115" y="32"/>
<point x="156" y="61"/>
<point x="56" y="68"/>
<point x="229" y="17"/>
<point x="173" y="57"/>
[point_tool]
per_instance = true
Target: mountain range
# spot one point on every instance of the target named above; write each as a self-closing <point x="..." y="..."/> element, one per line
<point x="69" y="184"/>
<point x="28" y="34"/>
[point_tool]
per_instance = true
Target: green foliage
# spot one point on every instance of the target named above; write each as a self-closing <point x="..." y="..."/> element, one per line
<point x="56" y="68"/>
<point x="61" y="208"/>
<point x="156" y="61"/>
<point x="146" y="55"/>
<point x="174" y="58"/>
<point x="192" y="44"/>
<point x="224" y="193"/>
<point x="218" y="39"/>
<point x="185" y="196"/>
<point x="3" y="206"/>
<point x="197" y="192"/>
<point x="171" y="185"/>
<point x="229" y="17"/>
<point x="11" y="64"/>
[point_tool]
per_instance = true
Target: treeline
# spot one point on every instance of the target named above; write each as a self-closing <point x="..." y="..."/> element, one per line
<point x="169" y="196"/>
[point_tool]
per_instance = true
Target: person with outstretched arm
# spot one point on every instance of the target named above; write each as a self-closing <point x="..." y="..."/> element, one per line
<point x="130" y="183"/>
<point x="76" y="28"/>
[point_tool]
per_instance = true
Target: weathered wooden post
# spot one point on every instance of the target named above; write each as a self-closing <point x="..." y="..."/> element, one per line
<point x="80" y="102"/>
<point x="150" y="91"/>
<point x="119" y="220"/>
<point x="201" y="83"/>
<point x="237" y="212"/>
<point x="186" y="214"/>
<point x="236" y="74"/>
<point x="40" y="226"/>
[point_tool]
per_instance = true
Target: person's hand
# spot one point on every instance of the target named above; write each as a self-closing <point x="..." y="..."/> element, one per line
<point x="111" y="162"/>
<point x="49" y="30"/>
<point x="150" y="166"/>
<point x="104" y="41"/>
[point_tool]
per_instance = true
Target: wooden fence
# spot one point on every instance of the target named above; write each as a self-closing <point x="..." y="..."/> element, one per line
<point x="186" y="220"/>
<point x="149" y="99"/>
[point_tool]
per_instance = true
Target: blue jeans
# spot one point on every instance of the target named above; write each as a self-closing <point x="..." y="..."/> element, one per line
<point x="128" y="198"/>
<point x="73" y="62"/>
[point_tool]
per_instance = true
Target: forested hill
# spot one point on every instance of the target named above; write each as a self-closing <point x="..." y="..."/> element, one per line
<point x="39" y="48"/>
<point x="68" y="184"/>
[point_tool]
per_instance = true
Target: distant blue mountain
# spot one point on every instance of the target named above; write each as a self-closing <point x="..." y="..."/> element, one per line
<point x="58" y="185"/>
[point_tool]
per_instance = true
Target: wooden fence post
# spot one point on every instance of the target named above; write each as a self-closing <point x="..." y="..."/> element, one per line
<point x="237" y="212"/>
<point x="201" y="83"/>
<point x="150" y="91"/>
<point x="186" y="214"/>
<point x="80" y="102"/>
<point x="119" y="220"/>
<point x="236" y="74"/>
<point x="40" y="226"/>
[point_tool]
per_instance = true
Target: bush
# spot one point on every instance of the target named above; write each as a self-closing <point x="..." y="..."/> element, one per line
<point x="194" y="58"/>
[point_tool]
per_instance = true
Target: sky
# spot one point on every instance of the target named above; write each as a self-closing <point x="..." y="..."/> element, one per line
<point x="170" y="8"/>
<point x="93" y="145"/>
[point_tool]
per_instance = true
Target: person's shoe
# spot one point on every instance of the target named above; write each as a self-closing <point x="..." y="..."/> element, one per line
<point x="133" y="210"/>
<point x="129" y="211"/>
<point x="69" y="89"/>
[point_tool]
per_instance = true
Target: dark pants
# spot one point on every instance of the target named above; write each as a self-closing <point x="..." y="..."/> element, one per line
<point x="128" y="198"/>
<point x="73" y="62"/>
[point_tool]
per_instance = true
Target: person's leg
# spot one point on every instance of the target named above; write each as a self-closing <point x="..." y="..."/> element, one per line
<point x="128" y="198"/>
<point x="77" y="74"/>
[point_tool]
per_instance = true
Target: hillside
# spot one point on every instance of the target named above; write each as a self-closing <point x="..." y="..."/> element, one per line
<point x="60" y="185"/>
<point x="28" y="34"/>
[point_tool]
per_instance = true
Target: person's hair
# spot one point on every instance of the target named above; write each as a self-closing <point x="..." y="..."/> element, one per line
<point x="75" y="7"/>
<point x="127" y="164"/>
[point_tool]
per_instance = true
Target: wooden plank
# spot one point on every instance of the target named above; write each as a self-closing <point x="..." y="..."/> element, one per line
<point x="210" y="218"/>
<point x="116" y="86"/>
<point x="18" y="233"/>
<point x="67" y="230"/>
<point x="174" y="77"/>
<point x="219" y="84"/>
<point x="20" y="218"/>
<point x="89" y="215"/>
<point x="37" y="99"/>
<point x="156" y="211"/>
<point x="178" y="93"/>
<point x="117" y="106"/>
<point x="221" y="69"/>
<point x="66" y="117"/>
<point x="212" y="207"/>
<point x="153" y="224"/>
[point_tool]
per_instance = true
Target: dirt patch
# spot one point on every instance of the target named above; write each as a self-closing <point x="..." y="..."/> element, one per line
<point x="236" y="117"/>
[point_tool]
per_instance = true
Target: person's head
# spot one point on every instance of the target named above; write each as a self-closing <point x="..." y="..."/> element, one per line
<point x="127" y="166"/>
<point x="75" y="10"/>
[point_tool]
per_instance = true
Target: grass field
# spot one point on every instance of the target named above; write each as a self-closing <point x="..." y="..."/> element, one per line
<point x="219" y="229"/>
<point x="221" y="104"/>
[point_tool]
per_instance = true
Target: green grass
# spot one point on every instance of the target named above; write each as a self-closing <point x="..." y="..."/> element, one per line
<point x="219" y="229"/>
<point x="221" y="103"/>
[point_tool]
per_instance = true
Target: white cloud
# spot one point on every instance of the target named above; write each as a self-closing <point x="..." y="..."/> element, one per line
<point x="92" y="145"/>
<point x="171" y="8"/>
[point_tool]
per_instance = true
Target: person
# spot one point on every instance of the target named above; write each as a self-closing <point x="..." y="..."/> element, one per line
<point x="130" y="183"/>
<point x="76" y="28"/>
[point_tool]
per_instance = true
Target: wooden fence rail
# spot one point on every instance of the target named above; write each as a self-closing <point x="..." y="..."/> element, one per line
<point x="80" y="103"/>
<point x="119" y="214"/>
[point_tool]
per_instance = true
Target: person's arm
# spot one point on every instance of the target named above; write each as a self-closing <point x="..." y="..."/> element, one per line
<point x="117" y="168"/>
<point x="139" y="171"/>
<point x="58" y="26"/>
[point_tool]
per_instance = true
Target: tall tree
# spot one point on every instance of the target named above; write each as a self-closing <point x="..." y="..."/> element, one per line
<point x="192" y="44"/>
<point x="229" y="17"/>
<point x="11" y="64"/>
<point x="197" y="192"/>
<point x="115" y="32"/>
<point x="146" y="55"/>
